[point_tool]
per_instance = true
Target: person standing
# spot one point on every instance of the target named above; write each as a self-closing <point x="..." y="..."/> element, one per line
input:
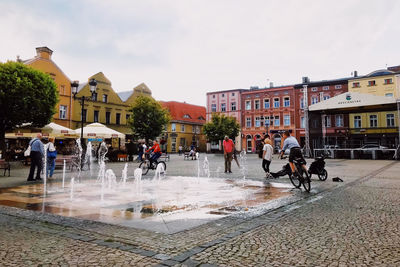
<point x="37" y="153"/>
<point x="180" y="150"/>
<point x="266" y="158"/>
<point x="228" y="151"/>
<point x="51" y="157"/>
<point x="140" y="152"/>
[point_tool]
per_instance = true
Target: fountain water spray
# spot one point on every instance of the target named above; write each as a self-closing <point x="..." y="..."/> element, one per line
<point x="138" y="179"/>
<point x="243" y="163"/>
<point x="45" y="170"/>
<point x="79" y="146"/>
<point x="198" y="164"/>
<point x="71" y="195"/>
<point x="124" y="174"/>
<point x="63" y="180"/>
<point x="110" y="178"/>
<point x="160" y="172"/>
<point x="206" y="167"/>
<point x="89" y="157"/>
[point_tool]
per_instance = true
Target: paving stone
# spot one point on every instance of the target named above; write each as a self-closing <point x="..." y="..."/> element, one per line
<point x="162" y="257"/>
<point x="169" y="262"/>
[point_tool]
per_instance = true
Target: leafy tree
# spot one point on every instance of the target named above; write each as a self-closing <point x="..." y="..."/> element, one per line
<point x="148" y="118"/>
<point x="26" y="96"/>
<point x="221" y="125"/>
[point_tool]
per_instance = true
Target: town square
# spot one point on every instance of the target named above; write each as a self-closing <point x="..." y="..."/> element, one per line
<point x="187" y="133"/>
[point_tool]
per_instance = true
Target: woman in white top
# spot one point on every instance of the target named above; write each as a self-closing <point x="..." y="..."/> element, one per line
<point x="267" y="157"/>
<point x="51" y="157"/>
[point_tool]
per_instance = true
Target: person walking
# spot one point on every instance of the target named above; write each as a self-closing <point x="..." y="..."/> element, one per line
<point x="228" y="151"/>
<point x="37" y="153"/>
<point x="266" y="158"/>
<point x="51" y="157"/>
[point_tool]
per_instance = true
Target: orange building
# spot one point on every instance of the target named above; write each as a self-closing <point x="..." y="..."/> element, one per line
<point x="43" y="62"/>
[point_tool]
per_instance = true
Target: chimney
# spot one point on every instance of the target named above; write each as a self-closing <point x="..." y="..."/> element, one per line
<point x="305" y="80"/>
<point x="394" y="68"/>
<point x="271" y="84"/>
<point x="44" y="52"/>
<point x="355" y="74"/>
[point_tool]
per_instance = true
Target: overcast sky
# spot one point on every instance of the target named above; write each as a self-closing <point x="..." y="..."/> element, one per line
<point x="184" y="48"/>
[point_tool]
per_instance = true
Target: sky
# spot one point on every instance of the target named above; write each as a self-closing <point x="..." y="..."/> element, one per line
<point x="182" y="49"/>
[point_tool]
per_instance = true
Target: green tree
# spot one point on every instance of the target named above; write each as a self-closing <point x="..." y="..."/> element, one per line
<point x="148" y="118"/>
<point x="26" y="96"/>
<point x="219" y="126"/>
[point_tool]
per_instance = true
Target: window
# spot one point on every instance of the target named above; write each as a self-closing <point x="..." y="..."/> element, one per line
<point x="286" y="102"/>
<point x="357" y="121"/>
<point x="127" y="117"/>
<point x="326" y="97"/>
<point x="277" y="121"/>
<point x="373" y="121"/>
<point x="105" y="98"/>
<point x="302" y="122"/>
<point x="223" y="95"/>
<point x="83" y="118"/>
<point x="327" y="121"/>
<point x="338" y="86"/>
<point x="213" y="96"/>
<point x="182" y="128"/>
<point x="233" y="94"/>
<point x="356" y="84"/>
<point x="233" y="106"/>
<point x="314" y="89"/>
<point x="173" y="144"/>
<point x="213" y="107"/>
<point x="248" y="122"/>
<point x="63" y="112"/>
<point x="257" y="122"/>
<point x="286" y="120"/>
<point x="266" y="121"/>
<point x="248" y="105"/>
<point x="276" y="102"/>
<point x="388" y="81"/>
<point x="173" y="127"/>
<point x="390" y="120"/>
<point x="62" y="89"/>
<point x="339" y="120"/>
<point x="371" y="83"/>
<point x="118" y="118"/>
<point x="302" y="103"/>
<point x="94" y="97"/>
<point x="389" y="94"/>
<point x="223" y="107"/>
<point x="96" y="116"/>
<point x="257" y="104"/>
<point x="108" y="117"/>
<point x="193" y="128"/>
<point x="266" y="103"/>
<point x="186" y="116"/>
<point x="314" y="100"/>
<point x="325" y="88"/>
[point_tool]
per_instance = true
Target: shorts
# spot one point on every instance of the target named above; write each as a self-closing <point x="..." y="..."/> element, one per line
<point x="295" y="153"/>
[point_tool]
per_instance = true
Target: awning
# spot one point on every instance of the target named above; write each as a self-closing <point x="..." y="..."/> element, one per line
<point x="354" y="102"/>
<point x="98" y="130"/>
<point x="55" y="130"/>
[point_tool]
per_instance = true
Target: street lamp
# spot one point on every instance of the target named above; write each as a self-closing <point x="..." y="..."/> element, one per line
<point x="93" y="88"/>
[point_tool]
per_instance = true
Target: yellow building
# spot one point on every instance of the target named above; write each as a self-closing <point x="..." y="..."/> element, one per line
<point x="43" y="62"/>
<point x="380" y="83"/>
<point x="106" y="107"/>
<point x="185" y="128"/>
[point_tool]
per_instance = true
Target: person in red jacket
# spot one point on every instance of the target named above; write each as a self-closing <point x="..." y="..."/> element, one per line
<point x="228" y="146"/>
<point x="156" y="152"/>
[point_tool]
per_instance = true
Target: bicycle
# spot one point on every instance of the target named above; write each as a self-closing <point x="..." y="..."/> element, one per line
<point x="301" y="176"/>
<point x="145" y="165"/>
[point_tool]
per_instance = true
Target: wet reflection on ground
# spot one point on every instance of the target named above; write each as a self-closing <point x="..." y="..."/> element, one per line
<point x="167" y="205"/>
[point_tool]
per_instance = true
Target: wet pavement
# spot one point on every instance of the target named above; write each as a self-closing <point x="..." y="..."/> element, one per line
<point x="338" y="224"/>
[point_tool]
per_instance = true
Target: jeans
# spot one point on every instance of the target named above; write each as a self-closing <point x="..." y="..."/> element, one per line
<point x="36" y="162"/>
<point x="51" y="165"/>
<point x="154" y="157"/>
<point x="265" y="165"/>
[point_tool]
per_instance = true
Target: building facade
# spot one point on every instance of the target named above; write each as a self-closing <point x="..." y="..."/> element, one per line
<point x="334" y="127"/>
<point x="185" y="128"/>
<point x="43" y="62"/>
<point x="268" y="110"/>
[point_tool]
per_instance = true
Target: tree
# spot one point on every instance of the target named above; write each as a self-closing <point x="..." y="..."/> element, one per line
<point x="148" y="118"/>
<point x="26" y="96"/>
<point x="219" y="126"/>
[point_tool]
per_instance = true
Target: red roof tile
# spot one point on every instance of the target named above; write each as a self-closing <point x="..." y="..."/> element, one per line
<point x="185" y="112"/>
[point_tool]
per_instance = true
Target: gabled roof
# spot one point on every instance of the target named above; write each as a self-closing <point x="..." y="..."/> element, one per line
<point x="125" y="95"/>
<point x="352" y="100"/>
<point x="185" y="112"/>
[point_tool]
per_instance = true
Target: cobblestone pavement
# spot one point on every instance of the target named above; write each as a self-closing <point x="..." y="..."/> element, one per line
<point x="338" y="224"/>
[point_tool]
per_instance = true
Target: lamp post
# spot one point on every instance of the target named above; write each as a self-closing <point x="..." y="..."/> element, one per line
<point x="307" y="132"/>
<point x="93" y="88"/>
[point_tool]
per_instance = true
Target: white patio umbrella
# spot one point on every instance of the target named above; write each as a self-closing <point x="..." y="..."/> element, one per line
<point x="98" y="130"/>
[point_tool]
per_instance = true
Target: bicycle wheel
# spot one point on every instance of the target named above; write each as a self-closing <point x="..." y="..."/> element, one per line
<point x="323" y="175"/>
<point x="295" y="179"/>
<point x="145" y="167"/>
<point x="306" y="181"/>
<point x="163" y="163"/>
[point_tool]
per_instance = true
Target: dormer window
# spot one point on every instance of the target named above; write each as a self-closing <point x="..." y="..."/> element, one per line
<point x="186" y="116"/>
<point x="201" y="118"/>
